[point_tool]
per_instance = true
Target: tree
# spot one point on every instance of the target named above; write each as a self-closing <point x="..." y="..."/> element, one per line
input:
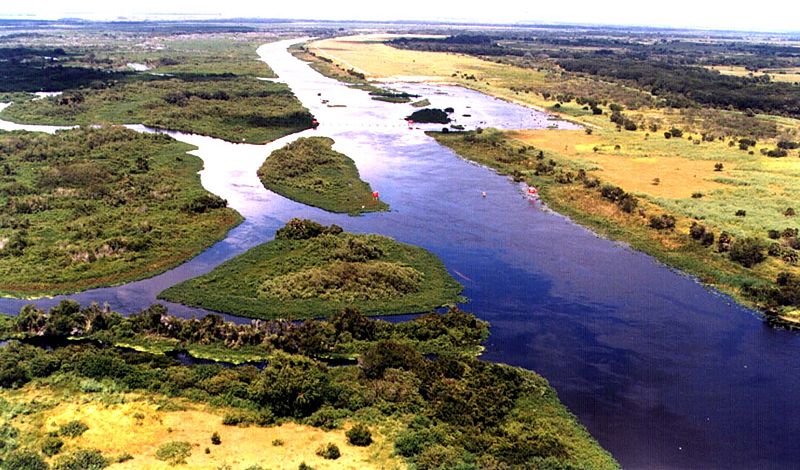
<point x="290" y="385"/>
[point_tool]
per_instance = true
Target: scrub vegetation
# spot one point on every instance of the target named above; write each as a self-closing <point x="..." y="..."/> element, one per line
<point x="308" y="170"/>
<point x="312" y="270"/>
<point x="200" y="85"/>
<point x="99" y="206"/>
<point x="396" y="407"/>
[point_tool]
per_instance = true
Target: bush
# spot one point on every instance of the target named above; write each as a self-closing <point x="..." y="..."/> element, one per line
<point x="662" y="222"/>
<point x="697" y="195"/>
<point x="789" y="212"/>
<point x="741" y="213"/>
<point x="718" y="166"/>
<point x="430" y="115"/>
<point x="774" y="234"/>
<point x="708" y="238"/>
<point x="697" y="231"/>
<point x="329" y="451"/>
<point x="51" y="446"/>
<point x="675" y="132"/>
<point x="72" y="429"/>
<point x="303" y="229"/>
<point x="747" y="251"/>
<point x="359" y="435"/>
<point x="83" y="459"/>
<point x="204" y="203"/>
<point x="215" y="439"/>
<point x="175" y="452"/>
<point x="724" y="242"/>
<point x="277" y="442"/>
<point x="24" y="460"/>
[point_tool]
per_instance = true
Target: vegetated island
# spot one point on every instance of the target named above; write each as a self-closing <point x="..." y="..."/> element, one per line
<point x="92" y="207"/>
<point x="311" y="270"/>
<point x="189" y="94"/>
<point x="309" y="171"/>
<point x="398" y="405"/>
<point x="430" y="115"/>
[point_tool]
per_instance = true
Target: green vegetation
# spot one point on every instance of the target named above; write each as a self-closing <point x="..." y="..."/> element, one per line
<point x="310" y="270"/>
<point x="228" y="107"/>
<point x="308" y="170"/>
<point x="201" y="84"/>
<point x="174" y="452"/>
<point x="446" y="411"/>
<point x="430" y="115"/>
<point x="90" y="207"/>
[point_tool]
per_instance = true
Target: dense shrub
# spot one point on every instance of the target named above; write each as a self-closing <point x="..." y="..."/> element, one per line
<point x="359" y="435"/>
<point x="83" y="459"/>
<point x="215" y="439"/>
<point x="174" y="452"/>
<point x="51" y="446"/>
<point x="329" y="451"/>
<point x="303" y="229"/>
<point x="697" y="231"/>
<point x="747" y="251"/>
<point x="662" y="222"/>
<point x="204" y="203"/>
<point x="72" y="429"/>
<point x="724" y="242"/>
<point x="24" y="460"/>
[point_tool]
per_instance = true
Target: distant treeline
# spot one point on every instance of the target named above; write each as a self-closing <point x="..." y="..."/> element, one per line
<point x="29" y="70"/>
<point x="685" y="85"/>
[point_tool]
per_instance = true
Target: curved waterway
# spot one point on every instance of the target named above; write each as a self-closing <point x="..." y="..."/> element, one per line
<point x="665" y="373"/>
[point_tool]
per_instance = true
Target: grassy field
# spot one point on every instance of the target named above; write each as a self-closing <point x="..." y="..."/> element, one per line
<point x="788" y="75"/>
<point x="92" y="207"/>
<point x="137" y="424"/>
<point x="309" y="171"/>
<point x="318" y="276"/>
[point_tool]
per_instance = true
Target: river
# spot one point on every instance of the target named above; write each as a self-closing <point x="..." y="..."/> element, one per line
<point x="663" y="372"/>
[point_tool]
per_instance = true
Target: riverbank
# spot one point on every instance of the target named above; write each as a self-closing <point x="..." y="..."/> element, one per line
<point x="739" y="195"/>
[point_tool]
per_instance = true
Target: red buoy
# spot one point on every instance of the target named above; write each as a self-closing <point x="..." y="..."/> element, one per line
<point x="314" y="123"/>
<point x="532" y="191"/>
<point x="375" y="195"/>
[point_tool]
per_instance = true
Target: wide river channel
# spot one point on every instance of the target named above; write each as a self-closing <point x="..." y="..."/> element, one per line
<point x="663" y="372"/>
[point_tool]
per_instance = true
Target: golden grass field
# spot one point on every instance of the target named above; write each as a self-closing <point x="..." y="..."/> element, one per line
<point x="134" y="424"/>
<point x="788" y="75"/>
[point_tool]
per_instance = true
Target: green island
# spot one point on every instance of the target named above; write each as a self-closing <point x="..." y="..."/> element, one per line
<point x="93" y="207"/>
<point x="399" y="405"/>
<point x="309" y="171"/>
<point x="207" y="86"/>
<point x="312" y="270"/>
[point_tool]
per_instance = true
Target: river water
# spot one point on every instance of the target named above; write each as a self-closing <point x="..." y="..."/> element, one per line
<point x="664" y="373"/>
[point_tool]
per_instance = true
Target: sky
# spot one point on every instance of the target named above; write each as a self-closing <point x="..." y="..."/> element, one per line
<point x="763" y="15"/>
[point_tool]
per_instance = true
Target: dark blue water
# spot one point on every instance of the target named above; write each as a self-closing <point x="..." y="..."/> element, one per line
<point x="664" y="373"/>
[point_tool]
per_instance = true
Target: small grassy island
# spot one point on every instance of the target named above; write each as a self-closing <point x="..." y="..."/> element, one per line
<point x="70" y="398"/>
<point x="311" y="270"/>
<point x="309" y="171"/>
<point x="90" y="207"/>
